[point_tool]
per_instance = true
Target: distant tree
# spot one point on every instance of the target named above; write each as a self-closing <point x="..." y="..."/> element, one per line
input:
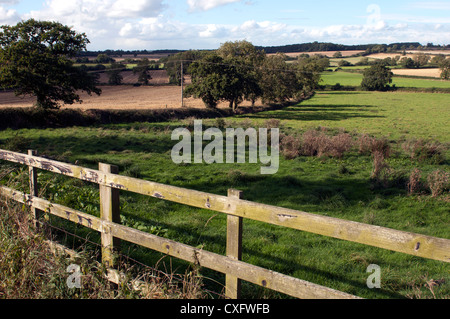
<point x="247" y="60"/>
<point x="421" y="59"/>
<point x="278" y="81"/>
<point x="115" y="76"/>
<point x="445" y="69"/>
<point x="320" y="62"/>
<point x="35" y="59"/>
<point x="376" y="78"/>
<point x="363" y="61"/>
<point x="104" y="59"/>
<point x="238" y="71"/>
<point x="408" y="63"/>
<point x="209" y="80"/>
<point x="143" y="71"/>
<point x="337" y="54"/>
<point x="342" y="63"/>
<point x="173" y="63"/>
<point x="438" y="59"/>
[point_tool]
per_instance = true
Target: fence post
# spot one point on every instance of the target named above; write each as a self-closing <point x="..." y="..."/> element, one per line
<point x="234" y="248"/>
<point x="34" y="189"/>
<point x="109" y="211"/>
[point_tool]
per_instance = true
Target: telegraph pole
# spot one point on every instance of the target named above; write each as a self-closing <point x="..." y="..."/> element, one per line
<point x="182" y="94"/>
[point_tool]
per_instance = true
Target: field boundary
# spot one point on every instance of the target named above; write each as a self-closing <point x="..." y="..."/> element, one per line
<point x="31" y="117"/>
<point x="232" y="205"/>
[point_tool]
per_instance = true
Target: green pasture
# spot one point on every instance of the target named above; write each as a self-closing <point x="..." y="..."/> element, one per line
<point x="396" y="115"/>
<point x="340" y="188"/>
<point x="354" y="79"/>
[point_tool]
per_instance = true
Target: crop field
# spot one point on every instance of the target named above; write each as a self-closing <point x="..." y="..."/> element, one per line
<point x="337" y="187"/>
<point x="434" y="73"/>
<point x="325" y="53"/>
<point x="122" y="97"/>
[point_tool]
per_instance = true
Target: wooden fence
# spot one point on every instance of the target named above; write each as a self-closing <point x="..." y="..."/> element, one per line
<point x="233" y="205"/>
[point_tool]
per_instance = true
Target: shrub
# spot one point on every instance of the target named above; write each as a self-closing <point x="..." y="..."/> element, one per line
<point x="272" y="123"/>
<point x="376" y="78"/>
<point x="369" y="145"/>
<point x="314" y="143"/>
<point x="438" y="182"/>
<point x="340" y="144"/>
<point x="425" y="151"/>
<point x="380" y="169"/>
<point x="317" y="143"/>
<point x="414" y="184"/>
<point x="290" y="146"/>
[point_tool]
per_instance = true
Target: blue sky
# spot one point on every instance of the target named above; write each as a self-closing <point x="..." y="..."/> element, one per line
<point x="205" y="24"/>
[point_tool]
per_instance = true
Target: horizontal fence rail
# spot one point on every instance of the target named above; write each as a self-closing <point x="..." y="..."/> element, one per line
<point x="381" y="237"/>
<point x="257" y="275"/>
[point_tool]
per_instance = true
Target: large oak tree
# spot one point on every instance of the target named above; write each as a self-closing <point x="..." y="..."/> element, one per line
<point x="35" y="59"/>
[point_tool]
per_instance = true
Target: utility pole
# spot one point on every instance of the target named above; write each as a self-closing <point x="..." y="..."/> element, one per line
<point x="182" y="93"/>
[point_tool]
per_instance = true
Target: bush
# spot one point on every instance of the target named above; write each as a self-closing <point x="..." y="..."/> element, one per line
<point x="317" y="143"/>
<point x="425" y="151"/>
<point x="414" y="184"/>
<point x="380" y="167"/>
<point x="340" y="144"/>
<point x="290" y="146"/>
<point x="369" y="145"/>
<point x="376" y="78"/>
<point x="438" y="182"/>
<point x="314" y="143"/>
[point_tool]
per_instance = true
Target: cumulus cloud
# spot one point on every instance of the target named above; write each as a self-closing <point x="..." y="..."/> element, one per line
<point x="205" y="5"/>
<point x="148" y="24"/>
<point x="8" y="16"/>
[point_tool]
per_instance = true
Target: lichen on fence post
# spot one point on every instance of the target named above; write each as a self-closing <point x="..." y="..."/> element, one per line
<point x="110" y="212"/>
<point x="234" y="247"/>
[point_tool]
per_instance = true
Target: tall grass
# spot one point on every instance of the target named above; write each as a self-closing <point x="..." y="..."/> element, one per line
<point x="31" y="269"/>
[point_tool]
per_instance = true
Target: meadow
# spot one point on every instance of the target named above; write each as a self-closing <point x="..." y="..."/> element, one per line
<point x="354" y="79"/>
<point x="342" y="187"/>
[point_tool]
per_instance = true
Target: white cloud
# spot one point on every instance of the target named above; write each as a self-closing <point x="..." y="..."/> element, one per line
<point x="432" y="5"/>
<point x="146" y="24"/>
<point x="205" y="5"/>
<point x="8" y="16"/>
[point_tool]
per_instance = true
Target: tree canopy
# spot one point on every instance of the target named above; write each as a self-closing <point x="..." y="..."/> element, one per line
<point x="35" y="59"/>
<point x="376" y="78"/>
<point x="238" y="71"/>
<point x="444" y="65"/>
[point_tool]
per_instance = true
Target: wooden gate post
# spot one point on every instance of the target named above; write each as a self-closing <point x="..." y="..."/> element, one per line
<point x="234" y="248"/>
<point x="109" y="211"/>
<point x="34" y="189"/>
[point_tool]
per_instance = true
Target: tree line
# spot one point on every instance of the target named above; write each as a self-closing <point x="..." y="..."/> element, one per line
<point x="239" y="71"/>
<point x="38" y="58"/>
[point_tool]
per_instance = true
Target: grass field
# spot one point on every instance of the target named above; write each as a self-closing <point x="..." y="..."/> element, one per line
<point x="396" y="115"/>
<point x="340" y="188"/>
<point x="354" y="79"/>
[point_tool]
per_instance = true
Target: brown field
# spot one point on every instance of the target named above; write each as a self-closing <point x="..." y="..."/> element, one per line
<point x="159" y="77"/>
<point x="389" y="55"/>
<point x="326" y="53"/>
<point x="431" y="52"/>
<point x="434" y="73"/>
<point x="122" y="97"/>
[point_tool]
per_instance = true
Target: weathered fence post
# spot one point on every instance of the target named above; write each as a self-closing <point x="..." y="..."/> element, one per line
<point x="34" y="188"/>
<point x="109" y="211"/>
<point x="234" y="248"/>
